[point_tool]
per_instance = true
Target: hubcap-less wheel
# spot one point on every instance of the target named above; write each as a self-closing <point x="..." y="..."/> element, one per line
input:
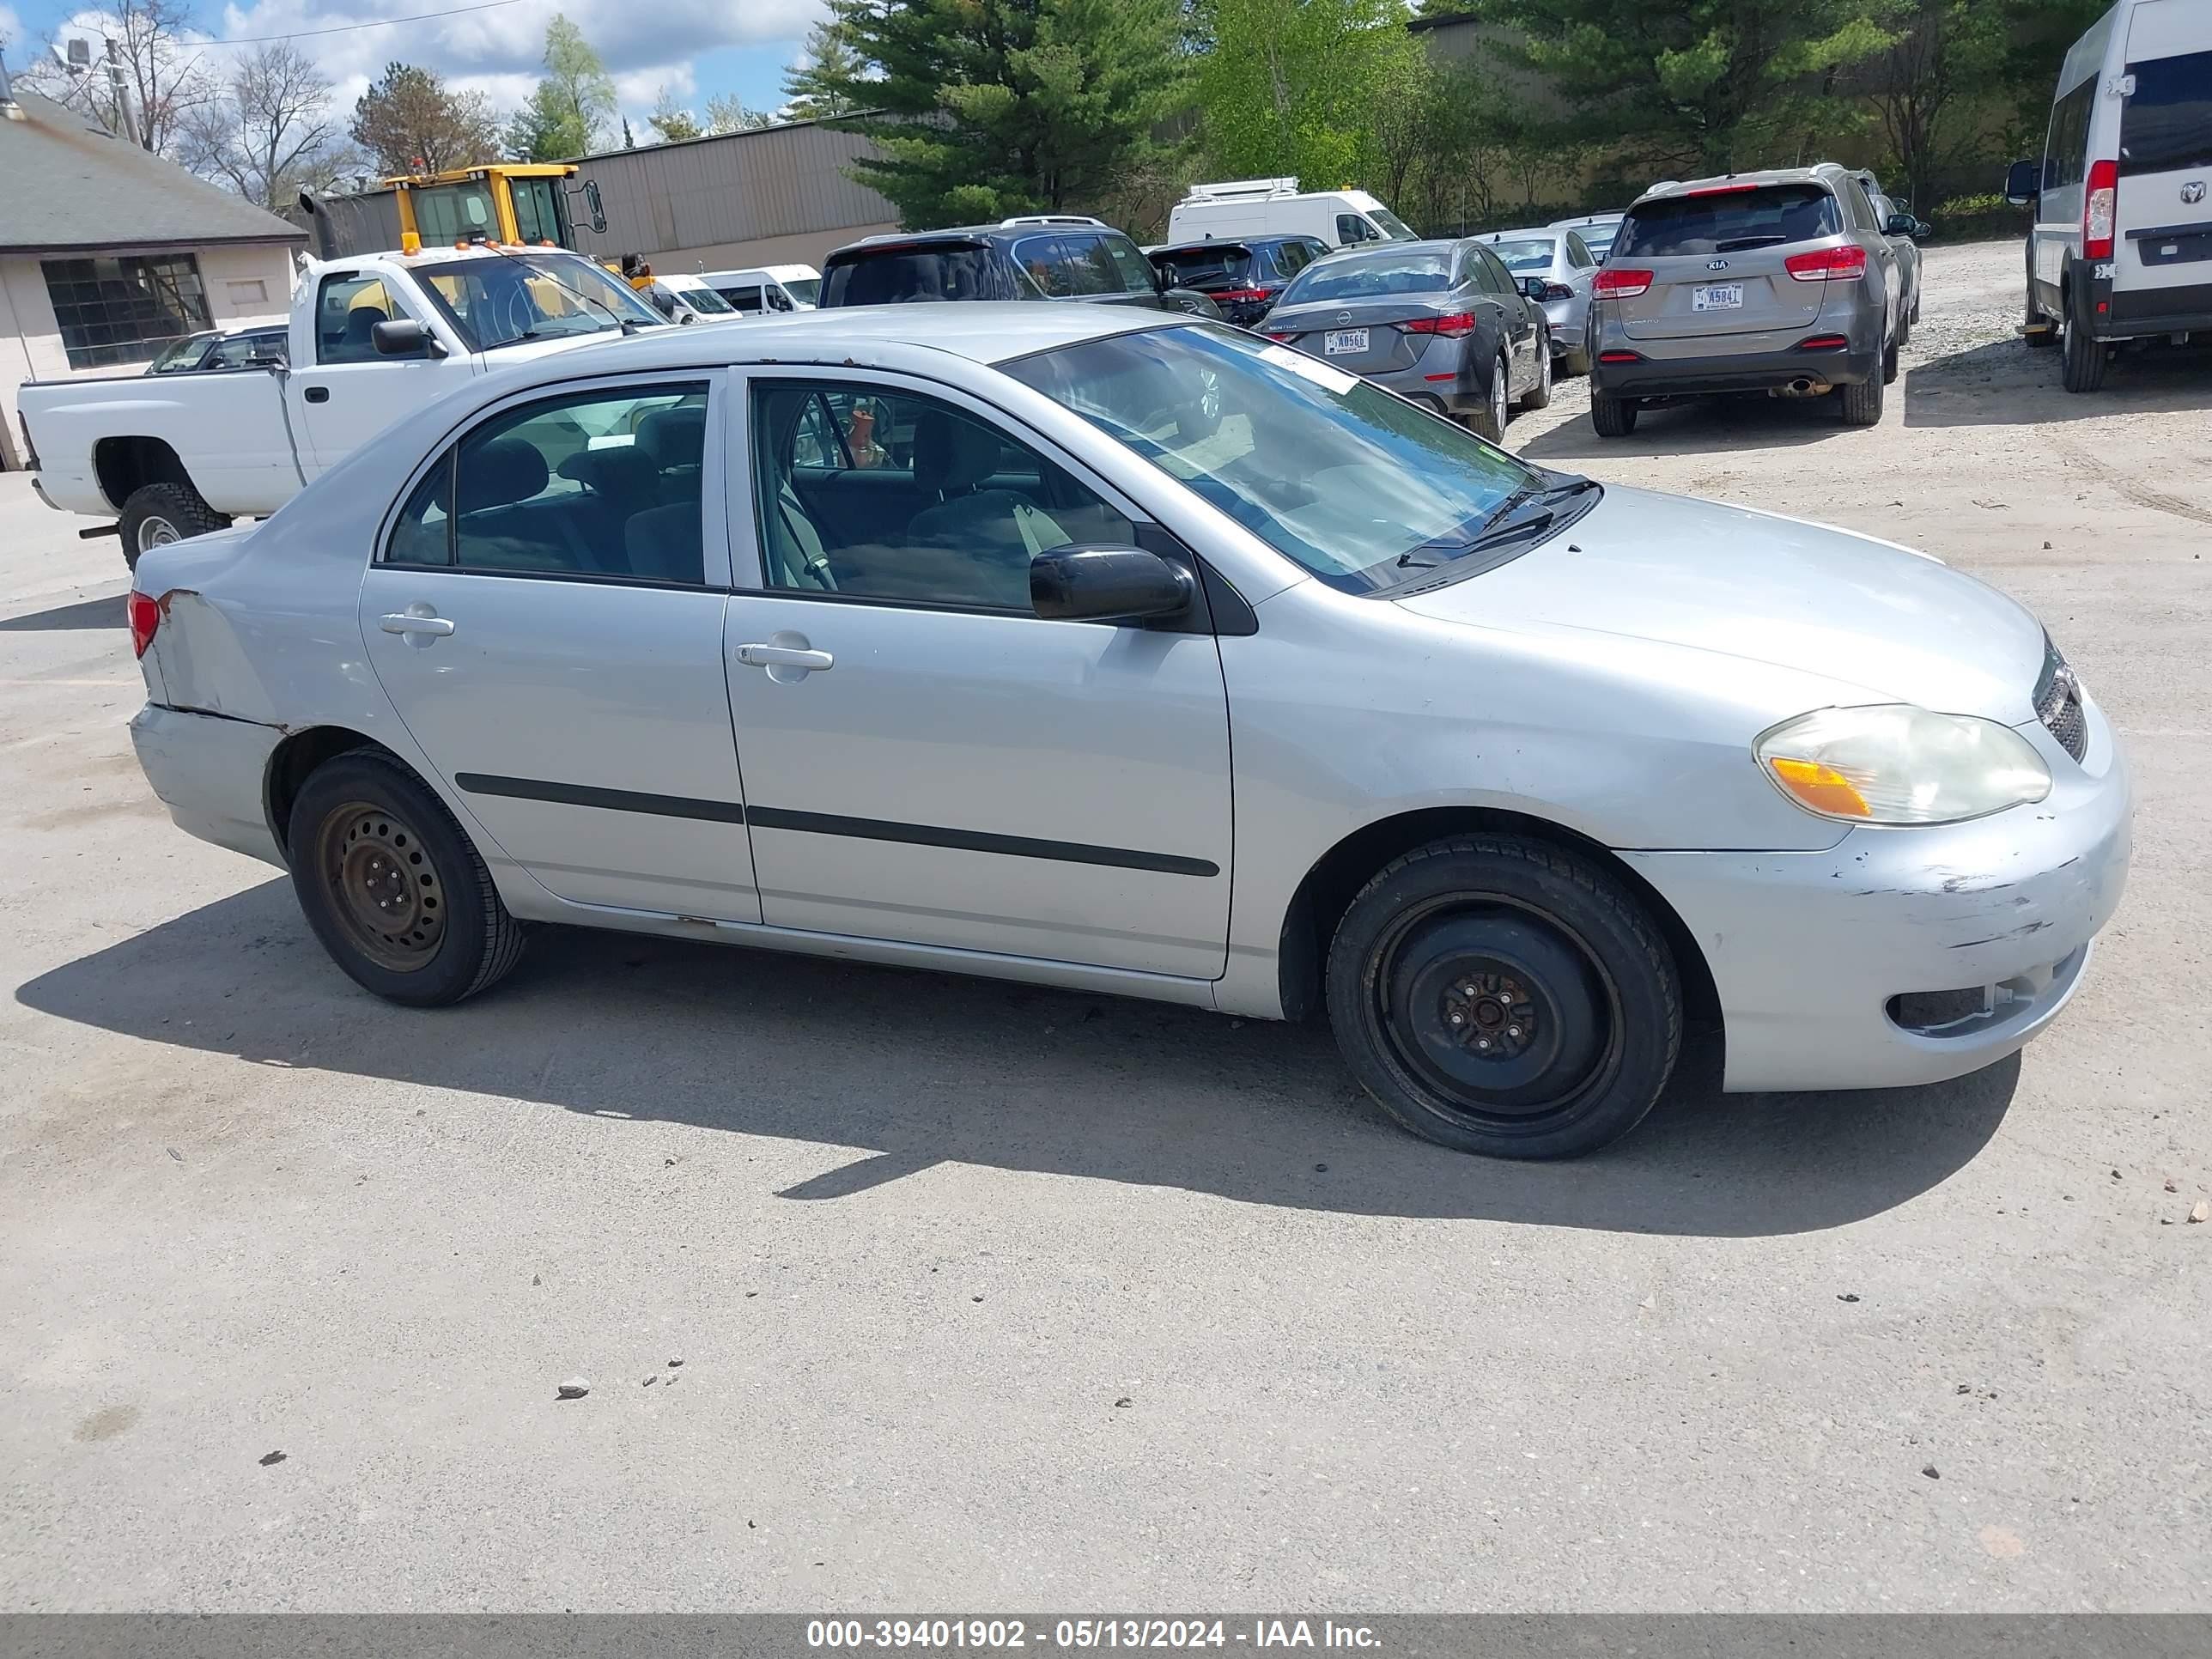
<point x="1498" y="377"/>
<point x="1508" y="1019"/>
<point x="390" y="900"/>
<point x="156" y="532"/>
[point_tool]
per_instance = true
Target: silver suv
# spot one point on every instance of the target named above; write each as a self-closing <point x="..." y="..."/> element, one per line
<point x="1779" y="281"/>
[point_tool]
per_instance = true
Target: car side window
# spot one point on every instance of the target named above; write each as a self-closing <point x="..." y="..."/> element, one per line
<point x="1489" y="276"/>
<point x="1131" y="267"/>
<point x="1578" y="253"/>
<point x="1089" y="267"/>
<point x="922" y="503"/>
<point x="1046" y="262"/>
<point x="347" y="307"/>
<point x="1352" y="229"/>
<point x="604" y="484"/>
<point x="1292" y="257"/>
<point x="746" y="299"/>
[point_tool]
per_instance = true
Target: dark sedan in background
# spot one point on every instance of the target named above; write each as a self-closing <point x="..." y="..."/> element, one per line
<point x="1443" y="323"/>
<point x="1245" y="277"/>
<point x="215" y="349"/>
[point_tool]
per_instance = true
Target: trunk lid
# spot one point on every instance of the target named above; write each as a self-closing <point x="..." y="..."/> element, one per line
<point x="1718" y="265"/>
<point x="1390" y="343"/>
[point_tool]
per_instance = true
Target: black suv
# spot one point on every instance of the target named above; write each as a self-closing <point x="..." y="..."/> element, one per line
<point x="1245" y="277"/>
<point x="1047" y="257"/>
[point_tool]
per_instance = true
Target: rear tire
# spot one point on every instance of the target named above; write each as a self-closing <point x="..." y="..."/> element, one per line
<point x="2082" y="367"/>
<point x="1862" y="403"/>
<point x="1538" y="395"/>
<point x="1613" y="417"/>
<point x="1575" y="363"/>
<point x="1889" y="361"/>
<point x="156" y="514"/>
<point x="1503" y="996"/>
<point x="393" y="887"/>
<point x="1489" y="421"/>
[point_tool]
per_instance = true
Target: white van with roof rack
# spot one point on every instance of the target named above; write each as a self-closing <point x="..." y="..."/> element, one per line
<point x="2121" y="245"/>
<point x="1277" y="207"/>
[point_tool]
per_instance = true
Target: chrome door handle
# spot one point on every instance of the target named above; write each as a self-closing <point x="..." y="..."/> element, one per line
<point x="783" y="656"/>
<point x="401" y="621"/>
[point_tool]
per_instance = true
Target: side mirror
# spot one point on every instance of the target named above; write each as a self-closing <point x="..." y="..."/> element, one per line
<point x="403" y="336"/>
<point x="2024" y="182"/>
<point x="1105" y="584"/>
<point x="598" y="207"/>
<point x="1899" y="224"/>
<point x="1921" y="227"/>
<point x="1532" y="288"/>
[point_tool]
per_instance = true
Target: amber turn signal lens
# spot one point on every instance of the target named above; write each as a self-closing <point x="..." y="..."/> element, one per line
<point x="1823" y="788"/>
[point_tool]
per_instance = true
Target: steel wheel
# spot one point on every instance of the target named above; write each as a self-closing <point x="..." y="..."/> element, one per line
<point x="390" y="899"/>
<point x="156" y="532"/>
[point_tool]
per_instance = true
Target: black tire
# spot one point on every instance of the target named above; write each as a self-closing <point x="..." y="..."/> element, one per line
<point x="1904" y="329"/>
<point x="363" y="825"/>
<point x="1572" y="363"/>
<point x="1613" y="417"/>
<point x="156" y="514"/>
<point x="1489" y="421"/>
<point x="2040" y="334"/>
<point x="1862" y="403"/>
<point x="1889" y="362"/>
<point x="1534" y="949"/>
<point x="2081" y="368"/>
<point x="1538" y="395"/>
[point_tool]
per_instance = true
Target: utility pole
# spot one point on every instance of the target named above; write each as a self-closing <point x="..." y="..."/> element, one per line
<point x="123" y="112"/>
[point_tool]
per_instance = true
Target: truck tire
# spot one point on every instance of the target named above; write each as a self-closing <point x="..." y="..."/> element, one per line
<point x="155" y="515"/>
<point x="1613" y="417"/>
<point x="2082" y="367"/>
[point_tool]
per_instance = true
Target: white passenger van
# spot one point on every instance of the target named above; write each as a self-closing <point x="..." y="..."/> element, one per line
<point x="2121" y="247"/>
<point x="764" y="289"/>
<point x="1277" y="207"/>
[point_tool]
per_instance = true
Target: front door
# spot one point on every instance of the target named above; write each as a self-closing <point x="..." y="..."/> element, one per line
<point x="925" y="759"/>
<point x="348" y="392"/>
<point x="547" y="620"/>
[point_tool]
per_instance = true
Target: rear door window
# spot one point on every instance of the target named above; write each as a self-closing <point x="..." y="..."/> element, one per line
<point x="1729" y="221"/>
<point x="2166" y="124"/>
<point x="1292" y="257"/>
<point x="1133" y="268"/>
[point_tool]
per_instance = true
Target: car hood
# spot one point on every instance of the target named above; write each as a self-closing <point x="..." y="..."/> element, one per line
<point x="1877" y="620"/>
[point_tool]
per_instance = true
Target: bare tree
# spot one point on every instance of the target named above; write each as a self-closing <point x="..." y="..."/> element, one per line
<point x="270" y="132"/>
<point x="166" y="73"/>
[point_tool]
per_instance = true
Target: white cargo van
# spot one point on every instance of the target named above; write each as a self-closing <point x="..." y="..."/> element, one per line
<point x="764" y="289"/>
<point x="2121" y="247"/>
<point x="1277" y="207"/>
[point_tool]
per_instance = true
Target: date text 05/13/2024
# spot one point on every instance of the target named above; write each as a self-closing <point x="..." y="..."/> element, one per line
<point x="989" y="1635"/>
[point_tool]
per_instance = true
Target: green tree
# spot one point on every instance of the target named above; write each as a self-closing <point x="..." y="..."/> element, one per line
<point x="573" y="106"/>
<point x="727" y="113"/>
<point x="824" y="82"/>
<point x="1317" y="89"/>
<point x="1701" y="86"/>
<point x="1926" y="86"/>
<point x="670" y="122"/>
<point x="410" y="121"/>
<point x="982" y="108"/>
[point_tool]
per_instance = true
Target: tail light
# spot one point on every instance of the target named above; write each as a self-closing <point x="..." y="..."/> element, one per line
<point x="1229" y="296"/>
<point x="1556" y="291"/>
<point x="1823" y="343"/>
<point x="1282" y="339"/>
<point x="1720" y="190"/>
<point x="1620" y="356"/>
<point x="1828" y="264"/>
<point x="2099" y="208"/>
<point x="1451" y="327"/>
<point x="145" y="617"/>
<point x="1620" y="283"/>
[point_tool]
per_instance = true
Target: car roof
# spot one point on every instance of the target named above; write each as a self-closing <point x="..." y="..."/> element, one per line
<point x="1827" y="174"/>
<point x="1578" y="222"/>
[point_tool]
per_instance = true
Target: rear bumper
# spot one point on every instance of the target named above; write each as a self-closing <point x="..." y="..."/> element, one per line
<point x="1440" y="382"/>
<point x="211" y="773"/>
<point x="2145" y="312"/>
<point x="1763" y="371"/>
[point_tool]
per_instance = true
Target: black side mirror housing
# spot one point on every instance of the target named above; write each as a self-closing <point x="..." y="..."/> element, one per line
<point x="598" y="207"/>
<point x="403" y="336"/>
<point x="1899" y="224"/>
<point x="1532" y="288"/>
<point x="1920" y="228"/>
<point x="2024" y="181"/>
<point x="1105" y="584"/>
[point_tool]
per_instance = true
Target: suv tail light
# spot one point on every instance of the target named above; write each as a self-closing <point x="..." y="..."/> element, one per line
<point x="2099" y="208"/>
<point x="145" y="617"/>
<point x="1451" y="327"/>
<point x="1619" y="282"/>
<point x="1827" y="264"/>
<point x="1238" y="295"/>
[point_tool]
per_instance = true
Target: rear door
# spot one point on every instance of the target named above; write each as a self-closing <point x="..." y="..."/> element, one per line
<point x="1717" y="259"/>
<point x="2164" y="198"/>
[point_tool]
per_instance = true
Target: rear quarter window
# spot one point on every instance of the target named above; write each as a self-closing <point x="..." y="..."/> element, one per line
<point x="2168" y="122"/>
<point x="1763" y="216"/>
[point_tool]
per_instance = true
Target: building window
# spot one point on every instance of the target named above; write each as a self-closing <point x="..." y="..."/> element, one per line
<point x="124" y="310"/>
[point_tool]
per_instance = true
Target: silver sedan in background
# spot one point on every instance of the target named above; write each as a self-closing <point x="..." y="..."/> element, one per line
<point x="655" y="636"/>
<point x="1566" y="265"/>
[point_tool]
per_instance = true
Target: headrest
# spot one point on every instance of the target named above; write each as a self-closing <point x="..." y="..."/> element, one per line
<point x="667" y="542"/>
<point x="951" y="453"/>
<point x="674" y="437"/>
<point x="500" y="473"/>
<point x="623" y="472"/>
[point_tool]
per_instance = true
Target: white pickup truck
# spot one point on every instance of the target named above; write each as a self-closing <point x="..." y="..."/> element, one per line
<point x="373" y="339"/>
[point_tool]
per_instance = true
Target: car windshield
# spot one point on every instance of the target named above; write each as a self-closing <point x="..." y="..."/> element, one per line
<point x="1728" y="219"/>
<point x="1370" y="275"/>
<point x="531" y="296"/>
<point x="807" y="290"/>
<point x="1397" y="227"/>
<point x="182" y="354"/>
<point x="1361" y="488"/>
<point x="704" y="300"/>
<point x="1523" y="256"/>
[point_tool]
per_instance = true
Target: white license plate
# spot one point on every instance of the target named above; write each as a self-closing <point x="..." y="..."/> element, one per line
<point x="1342" y="341"/>
<point x="1718" y="296"/>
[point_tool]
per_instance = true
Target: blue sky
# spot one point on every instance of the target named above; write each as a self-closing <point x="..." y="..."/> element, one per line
<point x="695" y="48"/>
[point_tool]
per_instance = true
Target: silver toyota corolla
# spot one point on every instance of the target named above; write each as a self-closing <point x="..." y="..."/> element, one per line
<point x="966" y="637"/>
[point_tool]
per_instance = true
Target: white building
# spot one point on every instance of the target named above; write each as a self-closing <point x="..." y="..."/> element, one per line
<point x="108" y="253"/>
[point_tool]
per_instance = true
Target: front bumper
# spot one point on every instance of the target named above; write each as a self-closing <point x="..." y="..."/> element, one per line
<point x="1808" y="949"/>
<point x="211" y="772"/>
<point x="1760" y="371"/>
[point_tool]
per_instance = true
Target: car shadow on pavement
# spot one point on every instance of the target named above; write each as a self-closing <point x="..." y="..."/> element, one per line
<point x="110" y="612"/>
<point x="907" y="1069"/>
<point x="2004" y="382"/>
<point x="1702" y="426"/>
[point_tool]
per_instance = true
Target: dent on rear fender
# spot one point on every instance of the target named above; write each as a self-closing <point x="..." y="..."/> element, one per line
<point x="202" y="665"/>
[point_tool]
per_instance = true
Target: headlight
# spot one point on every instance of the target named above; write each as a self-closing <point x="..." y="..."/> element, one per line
<point x="1893" y="764"/>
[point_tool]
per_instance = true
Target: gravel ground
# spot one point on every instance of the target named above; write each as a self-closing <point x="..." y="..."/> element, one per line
<point x="991" y="1298"/>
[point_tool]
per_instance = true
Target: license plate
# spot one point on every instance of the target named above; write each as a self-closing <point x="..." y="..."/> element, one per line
<point x="1342" y="341"/>
<point x="1718" y="296"/>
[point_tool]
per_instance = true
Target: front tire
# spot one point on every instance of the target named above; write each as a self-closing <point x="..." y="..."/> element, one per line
<point x="1613" y="417"/>
<point x="393" y="887"/>
<point x="156" y="514"/>
<point x="1503" y="996"/>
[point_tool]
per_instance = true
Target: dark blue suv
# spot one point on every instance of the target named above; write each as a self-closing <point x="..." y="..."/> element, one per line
<point x="1044" y="257"/>
<point x="1245" y="277"/>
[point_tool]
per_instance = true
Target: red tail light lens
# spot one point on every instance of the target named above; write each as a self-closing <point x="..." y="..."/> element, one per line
<point x="1239" y="296"/>
<point x="1282" y="339"/>
<point x="1720" y="190"/>
<point x="145" y="617"/>
<point x="1620" y="283"/>
<point x="1451" y="327"/>
<point x="1827" y="264"/>
<point x="1822" y="342"/>
<point x="1556" y="291"/>
<point x="1620" y="356"/>
<point x="2099" y="208"/>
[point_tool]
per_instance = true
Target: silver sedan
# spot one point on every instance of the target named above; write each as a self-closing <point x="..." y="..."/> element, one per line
<point x="1564" y="265"/>
<point x="963" y="637"/>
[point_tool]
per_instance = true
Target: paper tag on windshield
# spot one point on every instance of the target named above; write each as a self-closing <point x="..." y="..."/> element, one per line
<point x="1312" y="368"/>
